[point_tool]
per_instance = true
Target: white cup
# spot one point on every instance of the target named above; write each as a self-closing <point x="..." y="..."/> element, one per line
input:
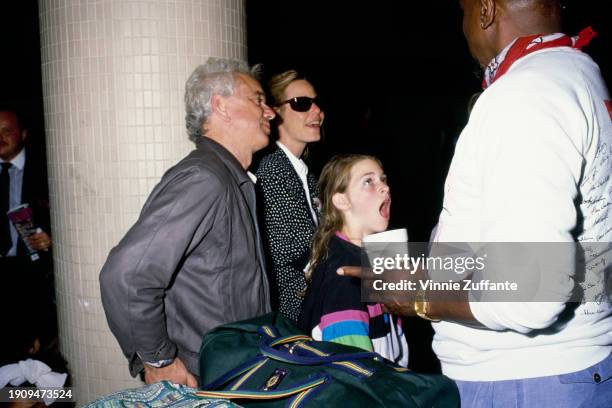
<point x="396" y="235"/>
<point x="387" y="244"/>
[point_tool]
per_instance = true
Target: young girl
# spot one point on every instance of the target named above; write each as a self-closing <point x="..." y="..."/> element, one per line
<point x="355" y="202"/>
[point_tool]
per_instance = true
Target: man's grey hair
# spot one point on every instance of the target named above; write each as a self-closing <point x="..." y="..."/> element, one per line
<point x="216" y="77"/>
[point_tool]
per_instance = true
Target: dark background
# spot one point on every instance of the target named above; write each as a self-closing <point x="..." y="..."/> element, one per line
<point x="395" y="78"/>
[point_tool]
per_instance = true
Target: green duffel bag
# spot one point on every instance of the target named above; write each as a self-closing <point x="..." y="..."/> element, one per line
<point x="267" y="362"/>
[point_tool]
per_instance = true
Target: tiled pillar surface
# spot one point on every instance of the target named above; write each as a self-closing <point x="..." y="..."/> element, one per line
<point x="113" y="82"/>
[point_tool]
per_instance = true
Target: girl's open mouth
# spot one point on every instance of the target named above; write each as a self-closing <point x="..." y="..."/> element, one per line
<point x="385" y="208"/>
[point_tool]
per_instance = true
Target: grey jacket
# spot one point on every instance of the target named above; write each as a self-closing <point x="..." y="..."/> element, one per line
<point x="192" y="261"/>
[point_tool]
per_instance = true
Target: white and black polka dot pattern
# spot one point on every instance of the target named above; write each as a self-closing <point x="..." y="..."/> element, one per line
<point x="287" y="229"/>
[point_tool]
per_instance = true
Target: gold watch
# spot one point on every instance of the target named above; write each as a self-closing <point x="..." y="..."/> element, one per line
<point x="421" y="306"/>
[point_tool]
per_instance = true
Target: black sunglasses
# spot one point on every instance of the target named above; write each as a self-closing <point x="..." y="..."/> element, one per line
<point x="302" y="103"/>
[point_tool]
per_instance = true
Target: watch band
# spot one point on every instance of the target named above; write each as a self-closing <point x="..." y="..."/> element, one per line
<point x="421" y="306"/>
<point x="160" y="363"/>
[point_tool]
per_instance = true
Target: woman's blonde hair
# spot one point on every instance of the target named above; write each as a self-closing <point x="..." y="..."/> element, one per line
<point x="335" y="178"/>
<point x="279" y="83"/>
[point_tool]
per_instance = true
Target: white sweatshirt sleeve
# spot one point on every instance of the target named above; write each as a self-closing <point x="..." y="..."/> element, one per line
<point x="531" y="160"/>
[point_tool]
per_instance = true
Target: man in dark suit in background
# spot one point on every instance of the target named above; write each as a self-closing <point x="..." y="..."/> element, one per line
<point x="26" y="285"/>
<point x="27" y="184"/>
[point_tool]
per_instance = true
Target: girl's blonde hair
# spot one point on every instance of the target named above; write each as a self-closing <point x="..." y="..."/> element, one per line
<point x="335" y="178"/>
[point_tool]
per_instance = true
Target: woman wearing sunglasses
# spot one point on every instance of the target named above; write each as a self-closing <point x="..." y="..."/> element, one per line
<point x="288" y="192"/>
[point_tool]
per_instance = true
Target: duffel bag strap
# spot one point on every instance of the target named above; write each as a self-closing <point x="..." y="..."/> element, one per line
<point x="289" y="339"/>
<point x="268" y="333"/>
<point x="287" y="357"/>
<point x="270" y="336"/>
<point x="251" y="364"/>
<point x="305" y="343"/>
<point x="303" y="387"/>
<point x="353" y="368"/>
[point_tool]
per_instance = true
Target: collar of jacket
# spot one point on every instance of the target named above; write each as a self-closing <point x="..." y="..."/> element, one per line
<point x="278" y="152"/>
<point x="282" y="156"/>
<point x="206" y="144"/>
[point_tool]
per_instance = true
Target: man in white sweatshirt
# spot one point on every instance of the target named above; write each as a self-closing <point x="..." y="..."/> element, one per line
<point x="533" y="164"/>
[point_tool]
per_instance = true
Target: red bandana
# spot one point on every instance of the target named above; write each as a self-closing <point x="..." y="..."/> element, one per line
<point x="526" y="45"/>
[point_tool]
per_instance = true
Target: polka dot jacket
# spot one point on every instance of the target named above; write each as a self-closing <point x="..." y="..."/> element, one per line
<point x="287" y="227"/>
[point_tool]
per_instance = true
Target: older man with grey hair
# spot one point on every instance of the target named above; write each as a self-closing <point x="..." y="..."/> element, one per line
<point x="193" y="260"/>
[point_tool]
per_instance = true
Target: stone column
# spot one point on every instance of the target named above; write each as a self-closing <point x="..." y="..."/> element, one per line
<point x="113" y="80"/>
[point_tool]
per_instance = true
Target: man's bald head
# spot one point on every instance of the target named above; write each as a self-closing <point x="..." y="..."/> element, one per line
<point x="490" y="25"/>
<point x="528" y="17"/>
<point x="543" y="7"/>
